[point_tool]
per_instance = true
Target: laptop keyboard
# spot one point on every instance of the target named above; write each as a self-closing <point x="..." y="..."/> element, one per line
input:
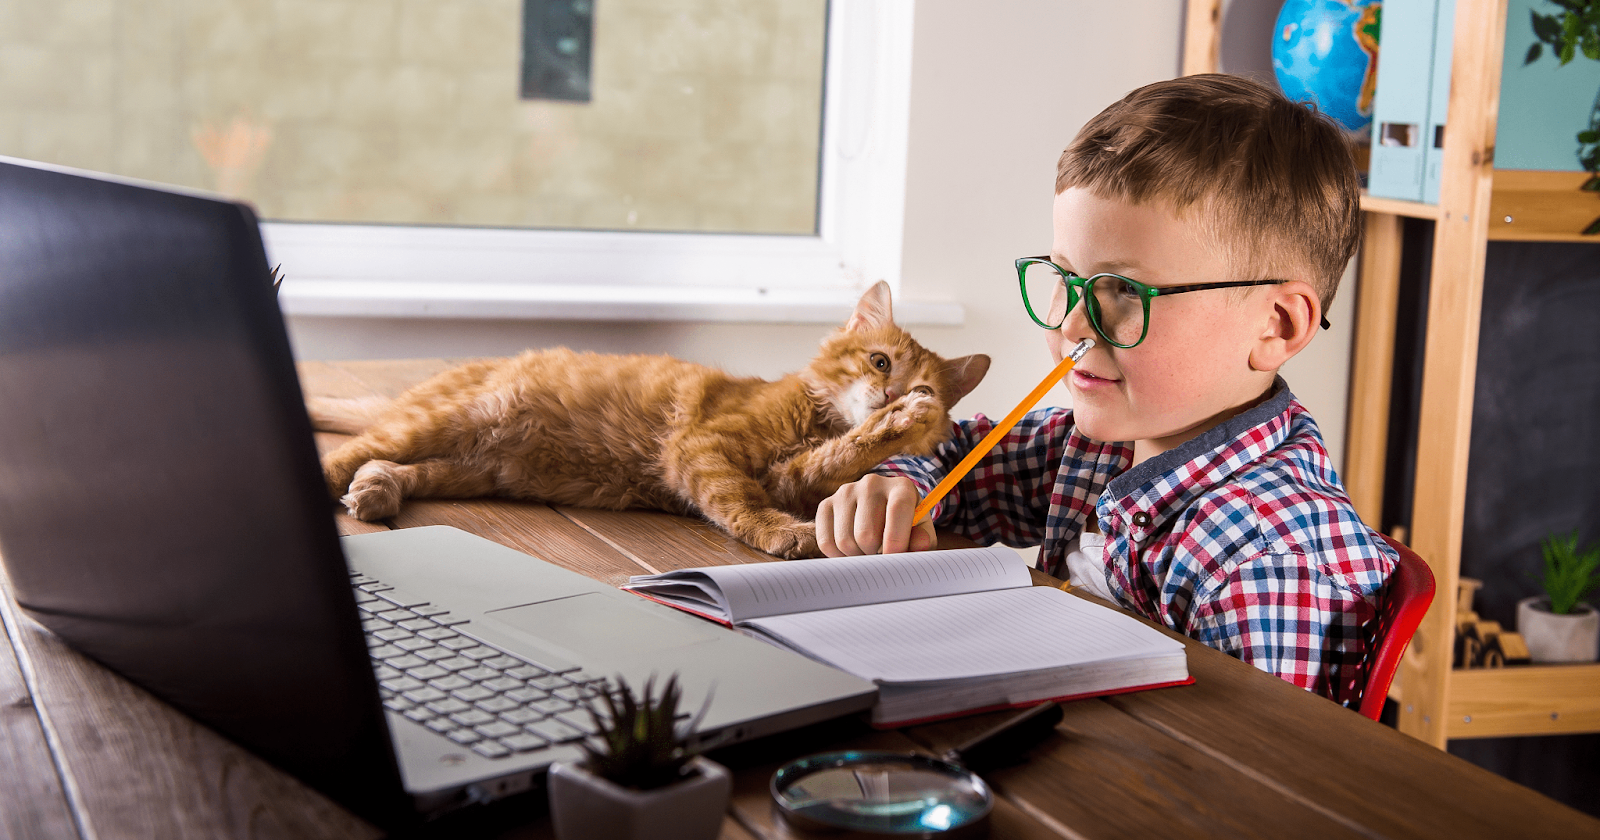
<point x="476" y="695"/>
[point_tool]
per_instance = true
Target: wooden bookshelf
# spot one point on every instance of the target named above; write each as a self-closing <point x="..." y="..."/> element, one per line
<point x="1475" y="204"/>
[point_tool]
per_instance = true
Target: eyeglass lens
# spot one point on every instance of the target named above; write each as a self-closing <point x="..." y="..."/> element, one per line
<point x="1115" y="306"/>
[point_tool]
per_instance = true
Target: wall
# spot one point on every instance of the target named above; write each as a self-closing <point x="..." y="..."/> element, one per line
<point x="996" y="95"/>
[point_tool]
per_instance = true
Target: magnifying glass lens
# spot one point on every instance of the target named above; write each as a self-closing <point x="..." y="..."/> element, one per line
<point x="897" y="794"/>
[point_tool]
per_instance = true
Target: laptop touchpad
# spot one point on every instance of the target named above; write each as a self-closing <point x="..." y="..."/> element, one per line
<point x="597" y="624"/>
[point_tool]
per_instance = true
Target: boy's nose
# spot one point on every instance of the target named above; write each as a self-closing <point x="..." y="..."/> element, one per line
<point x="1076" y="327"/>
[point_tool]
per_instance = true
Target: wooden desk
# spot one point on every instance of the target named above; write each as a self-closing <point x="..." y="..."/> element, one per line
<point x="1239" y="754"/>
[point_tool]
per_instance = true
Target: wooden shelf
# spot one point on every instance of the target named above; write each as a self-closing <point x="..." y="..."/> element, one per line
<point x="1398" y="207"/>
<point x="1525" y="700"/>
<point x="1525" y="205"/>
<point x="1532" y="205"/>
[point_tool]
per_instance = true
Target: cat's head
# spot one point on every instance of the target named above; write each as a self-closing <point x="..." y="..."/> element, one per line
<point x="869" y="363"/>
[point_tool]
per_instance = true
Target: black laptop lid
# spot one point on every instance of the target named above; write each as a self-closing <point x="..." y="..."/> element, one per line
<point x="161" y="505"/>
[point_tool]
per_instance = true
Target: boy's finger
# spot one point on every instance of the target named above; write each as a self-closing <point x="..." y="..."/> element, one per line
<point x="922" y="537"/>
<point x="824" y="526"/>
<point x="868" y="532"/>
<point x="897" y="530"/>
<point x="844" y="517"/>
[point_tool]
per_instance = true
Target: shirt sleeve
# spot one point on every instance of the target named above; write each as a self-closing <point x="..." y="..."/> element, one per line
<point x="1006" y="495"/>
<point x="1286" y="616"/>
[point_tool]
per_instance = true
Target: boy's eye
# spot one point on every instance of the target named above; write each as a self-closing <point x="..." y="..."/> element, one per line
<point x="879" y="362"/>
<point x="1126" y="290"/>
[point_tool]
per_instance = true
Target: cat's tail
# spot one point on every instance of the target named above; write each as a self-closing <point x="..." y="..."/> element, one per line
<point x="349" y="415"/>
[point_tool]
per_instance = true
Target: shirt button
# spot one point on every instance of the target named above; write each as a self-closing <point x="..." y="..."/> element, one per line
<point x="1141" y="519"/>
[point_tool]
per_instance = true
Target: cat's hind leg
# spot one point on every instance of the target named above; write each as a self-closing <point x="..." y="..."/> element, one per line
<point x="738" y="504"/>
<point x="379" y="487"/>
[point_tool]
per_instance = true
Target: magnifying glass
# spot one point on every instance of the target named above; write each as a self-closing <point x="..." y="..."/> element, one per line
<point x="872" y="793"/>
<point x="882" y="793"/>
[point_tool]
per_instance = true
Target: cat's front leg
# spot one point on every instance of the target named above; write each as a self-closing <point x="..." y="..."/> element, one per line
<point x="913" y="424"/>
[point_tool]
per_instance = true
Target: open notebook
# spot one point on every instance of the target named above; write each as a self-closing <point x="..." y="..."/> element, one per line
<point x="942" y="633"/>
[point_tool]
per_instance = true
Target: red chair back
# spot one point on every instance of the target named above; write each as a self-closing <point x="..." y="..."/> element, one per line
<point x="1405" y="601"/>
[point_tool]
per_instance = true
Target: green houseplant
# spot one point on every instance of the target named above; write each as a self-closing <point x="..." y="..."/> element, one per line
<point x="641" y="777"/>
<point x="1572" y="32"/>
<point x="1559" y="626"/>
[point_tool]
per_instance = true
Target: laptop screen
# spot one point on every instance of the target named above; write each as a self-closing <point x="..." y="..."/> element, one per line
<point x="161" y="504"/>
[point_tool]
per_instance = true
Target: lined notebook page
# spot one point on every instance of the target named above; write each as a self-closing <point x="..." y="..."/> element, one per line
<point x="763" y="589"/>
<point x="981" y="634"/>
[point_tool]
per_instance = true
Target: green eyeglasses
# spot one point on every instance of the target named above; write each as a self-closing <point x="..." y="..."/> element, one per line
<point x="1118" y="307"/>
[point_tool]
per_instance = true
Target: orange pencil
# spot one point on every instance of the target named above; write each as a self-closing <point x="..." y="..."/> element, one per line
<point x="925" y="506"/>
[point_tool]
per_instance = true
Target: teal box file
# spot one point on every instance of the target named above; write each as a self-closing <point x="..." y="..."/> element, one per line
<point x="1438" y="100"/>
<point x="1400" y="107"/>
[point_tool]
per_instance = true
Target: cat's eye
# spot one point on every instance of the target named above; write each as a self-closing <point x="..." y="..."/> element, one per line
<point x="879" y="361"/>
<point x="922" y="389"/>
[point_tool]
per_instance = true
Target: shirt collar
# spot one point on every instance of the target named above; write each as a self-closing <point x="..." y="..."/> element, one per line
<point x="1141" y="500"/>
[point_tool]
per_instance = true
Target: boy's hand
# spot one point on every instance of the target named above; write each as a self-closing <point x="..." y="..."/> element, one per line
<point x="872" y="516"/>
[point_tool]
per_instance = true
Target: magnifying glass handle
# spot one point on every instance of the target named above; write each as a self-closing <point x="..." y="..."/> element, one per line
<point x="1003" y="742"/>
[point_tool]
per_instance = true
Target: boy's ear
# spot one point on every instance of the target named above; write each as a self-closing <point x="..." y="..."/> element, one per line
<point x="1293" y="312"/>
<point x="873" y="310"/>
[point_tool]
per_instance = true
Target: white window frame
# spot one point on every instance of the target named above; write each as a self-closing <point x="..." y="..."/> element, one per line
<point x="356" y="270"/>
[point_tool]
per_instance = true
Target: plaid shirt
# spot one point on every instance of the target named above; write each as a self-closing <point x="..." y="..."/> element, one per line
<point x="1242" y="538"/>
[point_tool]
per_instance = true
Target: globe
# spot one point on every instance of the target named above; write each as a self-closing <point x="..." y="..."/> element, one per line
<point x="1326" y="51"/>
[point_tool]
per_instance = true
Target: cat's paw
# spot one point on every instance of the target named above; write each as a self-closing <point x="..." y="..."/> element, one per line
<point x="374" y="492"/>
<point x="791" y="542"/>
<point x="910" y="418"/>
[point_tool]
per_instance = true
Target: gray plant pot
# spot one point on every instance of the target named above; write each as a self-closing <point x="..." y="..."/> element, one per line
<point x="1574" y="637"/>
<point x="584" y="806"/>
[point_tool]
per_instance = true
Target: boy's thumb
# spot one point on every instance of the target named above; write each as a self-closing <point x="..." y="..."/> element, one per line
<point x="922" y="537"/>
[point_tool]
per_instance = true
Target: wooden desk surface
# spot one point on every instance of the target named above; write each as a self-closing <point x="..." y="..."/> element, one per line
<point x="1239" y="754"/>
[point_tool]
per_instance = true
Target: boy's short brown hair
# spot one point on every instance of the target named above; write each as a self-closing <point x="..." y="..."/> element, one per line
<point x="1276" y="178"/>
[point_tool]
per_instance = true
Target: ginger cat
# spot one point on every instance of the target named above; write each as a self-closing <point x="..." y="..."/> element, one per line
<point x="752" y="456"/>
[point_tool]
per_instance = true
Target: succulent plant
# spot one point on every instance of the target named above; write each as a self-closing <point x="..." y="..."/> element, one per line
<point x="1569" y="574"/>
<point x="640" y="743"/>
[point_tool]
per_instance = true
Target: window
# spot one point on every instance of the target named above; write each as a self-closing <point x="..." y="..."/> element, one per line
<point x="373" y="137"/>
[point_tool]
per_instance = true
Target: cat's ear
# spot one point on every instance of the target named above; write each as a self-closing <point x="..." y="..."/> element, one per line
<point x="966" y="372"/>
<point x="873" y="310"/>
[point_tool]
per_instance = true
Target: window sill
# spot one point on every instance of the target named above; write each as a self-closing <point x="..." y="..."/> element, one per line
<point x="555" y="302"/>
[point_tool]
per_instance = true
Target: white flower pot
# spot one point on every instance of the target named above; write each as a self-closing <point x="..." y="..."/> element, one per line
<point x="1574" y="637"/>
<point x="584" y="806"/>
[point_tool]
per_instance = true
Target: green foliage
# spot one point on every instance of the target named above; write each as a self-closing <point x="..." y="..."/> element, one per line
<point x="1569" y="574"/>
<point x="640" y="743"/>
<point x="1575" y="29"/>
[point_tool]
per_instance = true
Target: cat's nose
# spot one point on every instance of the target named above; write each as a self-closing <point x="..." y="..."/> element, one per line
<point x="890" y="394"/>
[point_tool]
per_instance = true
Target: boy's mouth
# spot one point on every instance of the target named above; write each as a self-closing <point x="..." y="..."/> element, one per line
<point x="1086" y="378"/>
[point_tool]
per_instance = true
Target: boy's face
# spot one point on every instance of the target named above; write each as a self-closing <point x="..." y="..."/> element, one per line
<point x="1192" y="371"/>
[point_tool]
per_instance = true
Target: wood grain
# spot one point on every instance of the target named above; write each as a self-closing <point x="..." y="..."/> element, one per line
<point x="1372" y="365"/>
<point x="33" y="803"/>
<point x="1528" y="700"/>
<point x="1337" y="760"/>
<point x="1455" y="298"/>
<point x="1543" y="206"/>
<point x="1202" y="36"/>
<point x="529" y="527"/>
<point x="384" y="378"/>
<point x="1398" y="207"/>
<point x="663" y="542"/>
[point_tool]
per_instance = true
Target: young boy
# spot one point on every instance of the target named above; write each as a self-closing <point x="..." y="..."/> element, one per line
<point x="1201" y="226"/>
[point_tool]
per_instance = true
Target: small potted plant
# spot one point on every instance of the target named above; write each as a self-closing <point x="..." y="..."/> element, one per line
<point x="640" y="779"/>
<point x="1559" y="627"/>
